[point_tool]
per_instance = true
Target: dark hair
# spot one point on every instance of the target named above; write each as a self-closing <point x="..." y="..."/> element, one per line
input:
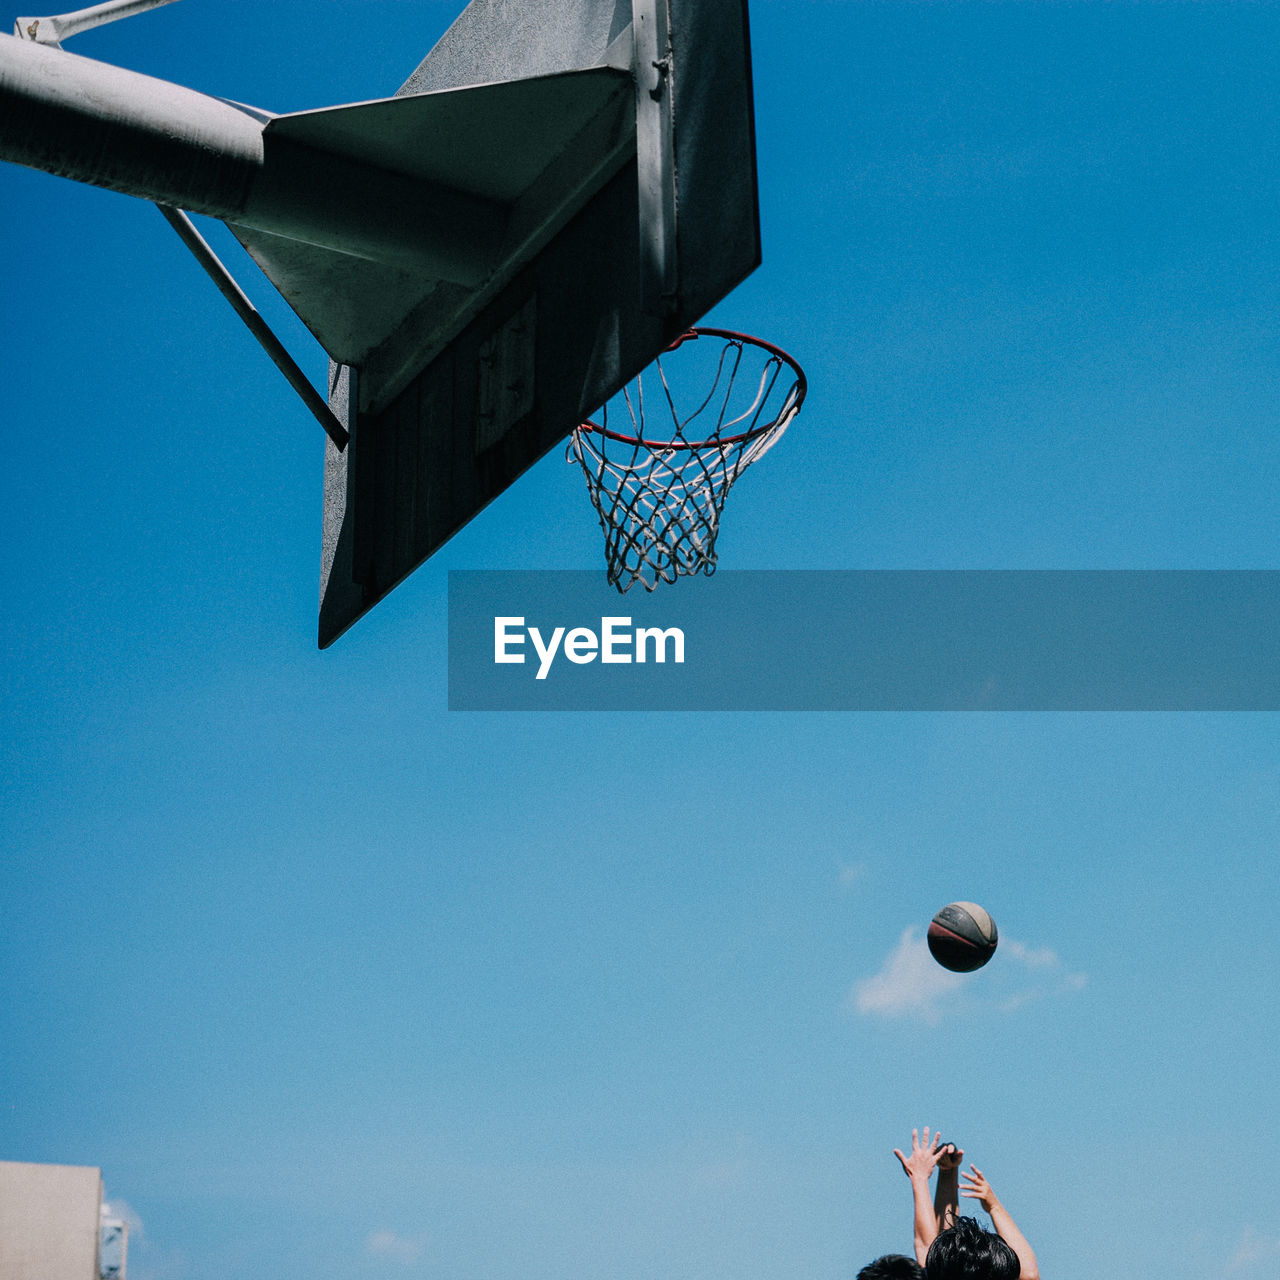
<point x="893" y="1266"/>
<point x="967" y="1252"/>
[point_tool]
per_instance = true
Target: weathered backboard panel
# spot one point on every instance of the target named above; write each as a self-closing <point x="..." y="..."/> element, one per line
<point x="473" y="384"/>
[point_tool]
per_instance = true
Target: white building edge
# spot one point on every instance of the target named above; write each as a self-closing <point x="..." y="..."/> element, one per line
<point x="54" y="1225"/>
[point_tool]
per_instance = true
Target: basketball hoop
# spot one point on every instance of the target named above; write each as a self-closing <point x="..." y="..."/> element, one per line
<point x="659" y="492"/>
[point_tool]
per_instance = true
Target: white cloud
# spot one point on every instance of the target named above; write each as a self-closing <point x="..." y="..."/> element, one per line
<point x="387" y="1244"/>
<point x="1252" y="1251"/>
<point x="1043" y="967"/>
<point x="147" y="1259"/>
<point x="1033" y="957"/>
<point x="121" y="1209"/>
<point x="910" y="984"/>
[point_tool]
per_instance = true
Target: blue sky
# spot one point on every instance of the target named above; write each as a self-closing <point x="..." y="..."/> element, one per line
<point x="328" y="979"/>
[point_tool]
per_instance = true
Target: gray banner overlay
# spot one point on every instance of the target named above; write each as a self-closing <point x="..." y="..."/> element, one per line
<point x="876" y="640"/>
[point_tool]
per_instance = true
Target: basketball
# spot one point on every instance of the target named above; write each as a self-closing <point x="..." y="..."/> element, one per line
<point x="962" y="937"/>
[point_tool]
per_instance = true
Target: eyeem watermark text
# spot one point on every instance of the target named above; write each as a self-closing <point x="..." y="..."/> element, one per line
<point x="616" y="642"/>
<point x="869" y="640"/>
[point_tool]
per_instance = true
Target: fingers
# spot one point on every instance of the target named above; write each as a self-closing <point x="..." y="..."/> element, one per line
<point x="919" y="1144"/>
<point x="926" y="1151"/>
<point x="976" y="1187"/>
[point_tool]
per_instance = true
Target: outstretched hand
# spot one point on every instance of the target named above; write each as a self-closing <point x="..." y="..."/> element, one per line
<point x="976" y="1187"/>
<point x="923" y="1158"/>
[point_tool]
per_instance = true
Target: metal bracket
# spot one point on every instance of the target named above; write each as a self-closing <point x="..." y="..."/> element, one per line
<point x="663" y="67"/>
<point x="53" y="31"/>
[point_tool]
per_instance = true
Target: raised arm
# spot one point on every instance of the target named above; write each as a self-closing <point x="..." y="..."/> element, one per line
<point x="946" y="1196"/>
<point x="976" y="1187"/>
<point x="918" y="1166"/>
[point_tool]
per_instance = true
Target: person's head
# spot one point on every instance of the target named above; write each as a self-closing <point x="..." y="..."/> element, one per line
<point x="967" y="1252"/>
<point x="893" y="1266"/>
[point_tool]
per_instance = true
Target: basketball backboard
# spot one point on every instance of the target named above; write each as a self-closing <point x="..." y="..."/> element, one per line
<point x="557" y="193"/>
<point x="602" y="156"/>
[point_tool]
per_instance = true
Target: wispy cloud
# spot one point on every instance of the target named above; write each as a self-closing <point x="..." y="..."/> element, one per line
<point x="1252" y="1252"/>
<point x="387" y="1244"/>
<point x="124" y="1212"/>
<point x="911" y="985"/>
<point x="148" y="1259"/>
<point x="1032" y="957"/>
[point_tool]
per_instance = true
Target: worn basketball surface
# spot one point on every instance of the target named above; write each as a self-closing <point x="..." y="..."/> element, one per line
<point x="962" y="937"/>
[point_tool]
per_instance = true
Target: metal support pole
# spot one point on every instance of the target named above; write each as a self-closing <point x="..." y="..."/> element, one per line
<point x="656" y="154"/>
<point x="114" y="128"/>
<point x="255" y="323"/>
<point x="62" y="26"/>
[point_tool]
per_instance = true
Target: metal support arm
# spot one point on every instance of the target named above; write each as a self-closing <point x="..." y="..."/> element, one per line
<point x="53" y="31"/>
<point x="255" y="323"/>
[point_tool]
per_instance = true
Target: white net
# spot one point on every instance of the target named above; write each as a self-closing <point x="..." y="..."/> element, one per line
<point x="668" y="448"/>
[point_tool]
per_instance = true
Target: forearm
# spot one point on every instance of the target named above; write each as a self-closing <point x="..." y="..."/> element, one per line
<point x="946" y="1199"/>
<point x="1008" y="1231"/>
<point x="926" y="1221"/>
